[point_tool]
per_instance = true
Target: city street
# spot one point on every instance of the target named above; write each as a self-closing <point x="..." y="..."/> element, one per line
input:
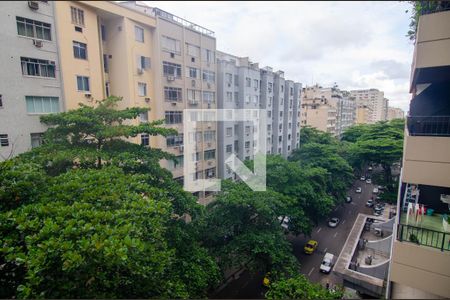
<point x="330" y="240"/>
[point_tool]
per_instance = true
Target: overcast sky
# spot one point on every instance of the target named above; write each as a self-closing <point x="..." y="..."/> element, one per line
<point x="355" y="44"/>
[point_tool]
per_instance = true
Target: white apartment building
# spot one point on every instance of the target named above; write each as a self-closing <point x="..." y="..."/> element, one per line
<point x="30" y="84"/>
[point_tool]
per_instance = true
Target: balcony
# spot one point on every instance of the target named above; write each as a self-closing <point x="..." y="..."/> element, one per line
<point x="428" y="125"/>
<point x="431" y="61"/>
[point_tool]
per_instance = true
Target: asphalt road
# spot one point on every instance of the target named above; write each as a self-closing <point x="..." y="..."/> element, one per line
<point x="249" y="286"/>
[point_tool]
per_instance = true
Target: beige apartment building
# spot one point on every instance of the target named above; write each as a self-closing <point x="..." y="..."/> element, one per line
<point x="149" y="57"/>
<point x="373" y="99"/>
<point x="420" y="264"/>
<point x="395" y="113"/>
<point x="363" y="114"/>
<point x="328" y="109"/>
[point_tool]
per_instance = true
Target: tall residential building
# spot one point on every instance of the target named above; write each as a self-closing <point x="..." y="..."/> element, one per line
<point x="363" y="114"/>
<point x="421" y="252"/>
<point x="328" y="109"/>
<point x="243" y="85"/>
<point x="374" y="99"/>
<point x="30" y="84"/>
<point x="395" y="113"/>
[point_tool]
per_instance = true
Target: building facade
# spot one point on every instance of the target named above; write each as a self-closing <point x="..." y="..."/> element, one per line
<point x="30" y="84"/>
<point x="395" y="113"/>
<point x="421" y="250"/>
<point x="373" y="99"/>
<point x="363" y="114"/>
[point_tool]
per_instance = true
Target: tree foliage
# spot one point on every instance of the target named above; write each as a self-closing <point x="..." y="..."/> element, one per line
<point x="299" y="287"/>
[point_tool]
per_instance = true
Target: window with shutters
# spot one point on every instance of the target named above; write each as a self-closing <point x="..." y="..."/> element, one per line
<point x="170" y="45"/>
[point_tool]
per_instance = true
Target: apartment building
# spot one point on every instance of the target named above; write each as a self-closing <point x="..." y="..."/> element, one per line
<point x="421" y="251"/>
<point x="395" y="113"/>
<point x="363" y="114"/>
<point x="238" y="88"/>
<point x="30" y="84"/>
<point x="328" y="109"/>
<point x="375" y="100"/>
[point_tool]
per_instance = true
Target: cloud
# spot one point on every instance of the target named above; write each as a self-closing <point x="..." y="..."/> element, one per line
<point x="356" y="44"/>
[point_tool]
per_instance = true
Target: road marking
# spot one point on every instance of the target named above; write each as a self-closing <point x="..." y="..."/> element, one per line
<point x="320" y="228"/>
<point x="325" y="250"/>
<point x="335" y="234"/>
<point x="343" y="222"/>
<point x="309" y="274"/>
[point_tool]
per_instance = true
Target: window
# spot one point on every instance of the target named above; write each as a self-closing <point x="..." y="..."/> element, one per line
<point x="178" y="162"/>
<point x="103" y="32"/>
<point x="143" y="117"/>
<point x="247" y="129"/>
<point x="174" y="117"/>
<point x="248" y="82"/>
<point x="174" y="140"/>
<point x="269" y="127"/>
<point x="139" y="34"/>
<point x="269" y="87"/>
<point x="229" y="78"/>
<point x="105" y="63"/>
<point x="236" y="80"/>
<point x="37" y="67"/>
<point x="42" y="105"/>
<point x="282" y="88"/>
<point x="236" y="97"/>
<point x="209" y="97"/>
<point x="209" y="154"/>
<point x="247" y="98"/>
<point x="4" y="140"/>
<point x="191" y="72"/>
<point x="209" y="76"/>
<point x="255" y="83"/>
<point x="172" y="94"/>
<point x="79" y="50"/>
<point x="145" y="139"/>
<point x="144" y="62"/>
<point x="270" y="101"/>
<point x="193" y="50"/>
<point x="142" y="89"/>
<point x="193" y="96"/>
<point x="229" y="97"/>
<point x="83" y="83"/>
<point x="36" y="139"/>
<point x="229" y="148"/>
<point x="1" y="101"/>
<point x="210" y="173"/>
<point x="171" y="69"/>
<point x="33" y="29"/>
<point x="280" y="139"/>
<point x="171" y="45"/>
<point x="269" y="114"/>
<point x="256" y="99"/>
<point x="229" y="131"/>
<point x="247" y="145"/>
<point x="209" y="135"/>
<point x="208" y="56"/>
<point x="77" y="16"/>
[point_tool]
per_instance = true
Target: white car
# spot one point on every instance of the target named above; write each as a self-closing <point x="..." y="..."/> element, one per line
<point x="363" y="178"/>
<point x="370" y="169"/>
<point x="369" y="180"/>
<point x="375" y="190"/>
<point x="327" y="263"/>
<point x="333" y="223"/>
<point x="358" y="190"/>
<point x="284" y="222"/>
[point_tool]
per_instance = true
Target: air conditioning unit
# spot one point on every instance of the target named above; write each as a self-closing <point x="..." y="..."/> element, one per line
<point x="88" y="95"/>
<point x="170" y="78"/>
<point x="37" y="43"/>
<point x="193" y="83"/>
<point x="147" y="99"/>
<point x="174" y="104"/>
<point x="140" y="71"/>
<point x="34" y="5"/>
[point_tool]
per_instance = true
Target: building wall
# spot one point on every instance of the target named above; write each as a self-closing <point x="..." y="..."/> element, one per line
<point x="375" y="100"/>
<point x="15" y="120"/>
<point x="395" y="113"/>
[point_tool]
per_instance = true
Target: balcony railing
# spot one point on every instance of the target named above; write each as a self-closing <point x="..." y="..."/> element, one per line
<point x="424" y="237"/>
<point x="429" y="125"/>
<point x="429" y="7"/>
<point x="168" y="16"/>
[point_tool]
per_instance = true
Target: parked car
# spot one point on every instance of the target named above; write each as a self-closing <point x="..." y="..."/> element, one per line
<point x="348" y="199"/>
<point x="369" y="203"/>
<point x="310" y="246"/>
<point x="375" y="190"/>
<point x="377" y="213"/>
<point x="333" y="222"/>
<point x="284" y="222"/>
<point x="358" y="190"/>
<point x="368" y="180"/>
<point x="370" y="168"/>
<point x="327" y="263"/>
<point x="380" y="187"/>
<point x="363" y="178"/>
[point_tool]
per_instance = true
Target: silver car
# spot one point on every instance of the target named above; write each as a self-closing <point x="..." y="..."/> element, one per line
<point x="333" y="223"/>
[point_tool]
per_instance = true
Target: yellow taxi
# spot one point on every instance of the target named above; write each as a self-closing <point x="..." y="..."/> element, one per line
<point x="310" y="246"/>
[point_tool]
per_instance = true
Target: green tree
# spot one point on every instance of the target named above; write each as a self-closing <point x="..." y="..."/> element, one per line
<point x="299" y="287"/>
<point x="310" y="134"/>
